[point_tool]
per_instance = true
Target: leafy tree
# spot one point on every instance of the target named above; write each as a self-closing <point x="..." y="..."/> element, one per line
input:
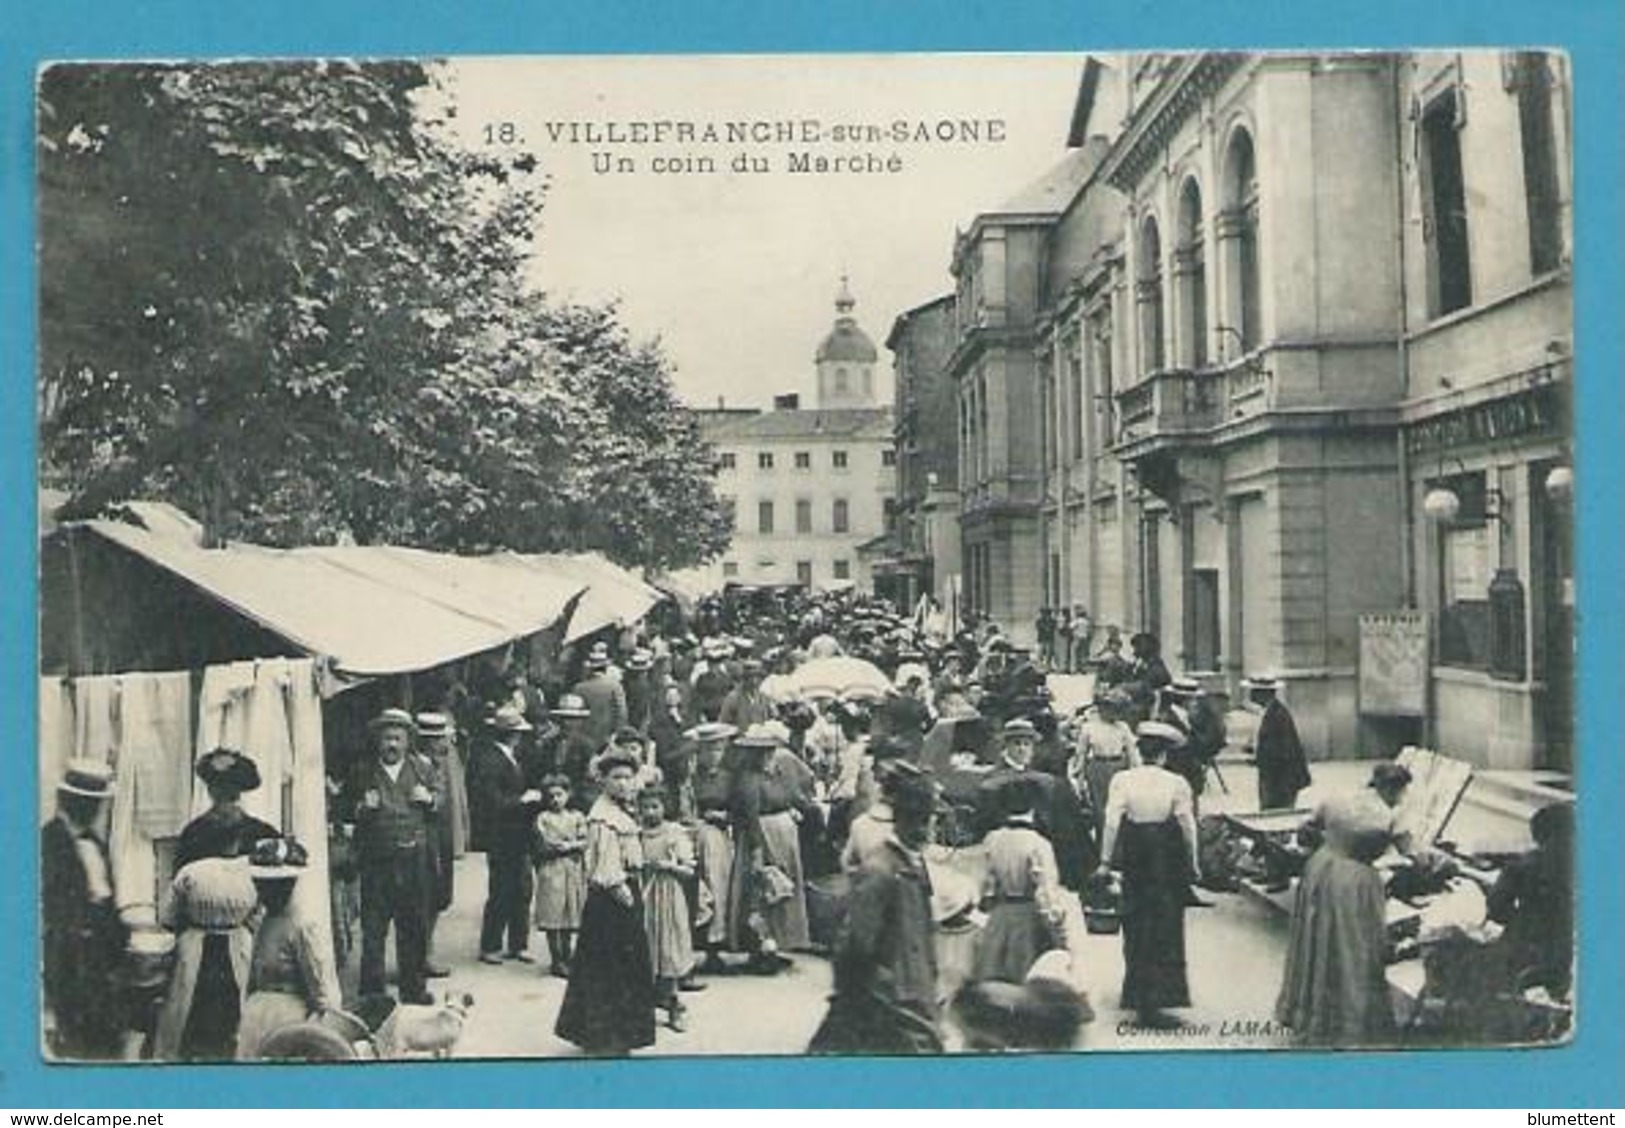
<point x="278" y="295"/>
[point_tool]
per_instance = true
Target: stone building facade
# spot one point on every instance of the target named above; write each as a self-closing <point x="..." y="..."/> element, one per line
<point x="1218" y="374"/>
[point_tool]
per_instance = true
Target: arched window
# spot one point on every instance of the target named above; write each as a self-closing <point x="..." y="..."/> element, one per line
<point x="1148" y="290"/>
<point x="1240" y="234"/>
<point x="1190" y="273"/>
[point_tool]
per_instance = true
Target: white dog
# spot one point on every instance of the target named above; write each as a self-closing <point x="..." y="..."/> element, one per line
<point x="424" y="1031"/>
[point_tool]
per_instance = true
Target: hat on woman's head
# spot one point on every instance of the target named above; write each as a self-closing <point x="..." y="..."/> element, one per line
<point x="1390" y="774"/>
<point x="612" y="757"/>
<point x="226" y="767"/>
<point x="1117" y="698"/>
<point x="1161" y="730"/>
<point x="277" y="859"/>
<point x="89" y="778"/>
<point x="1019" y="795"/>
<point x="556" y="781"/>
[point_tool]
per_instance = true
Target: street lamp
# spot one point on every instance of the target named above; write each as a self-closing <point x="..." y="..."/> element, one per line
<point x="1560" y="484"/>
<point x="1441" y="505"/>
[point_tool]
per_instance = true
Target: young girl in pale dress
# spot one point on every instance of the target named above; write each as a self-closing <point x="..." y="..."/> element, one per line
<point x="561" y="877"/>
<point x="668" y="854"/>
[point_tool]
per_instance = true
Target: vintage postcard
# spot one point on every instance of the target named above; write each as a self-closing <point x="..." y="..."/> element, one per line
<point x="559" y="557"/>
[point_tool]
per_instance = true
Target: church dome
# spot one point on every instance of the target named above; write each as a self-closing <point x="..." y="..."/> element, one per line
<point x="846" y="343"/>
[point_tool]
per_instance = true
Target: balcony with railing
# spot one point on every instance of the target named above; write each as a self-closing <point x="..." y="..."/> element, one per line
<point x="1177" y="404"/>
<point x="1169" y="404"/>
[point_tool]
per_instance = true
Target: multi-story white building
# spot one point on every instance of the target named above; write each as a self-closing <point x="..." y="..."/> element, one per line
<point x="808" y="486"/>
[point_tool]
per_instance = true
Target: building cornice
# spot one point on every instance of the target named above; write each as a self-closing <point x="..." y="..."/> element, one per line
<point x="1176" y="98"/>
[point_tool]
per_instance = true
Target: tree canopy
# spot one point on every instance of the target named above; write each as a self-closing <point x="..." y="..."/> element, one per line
<point x="283" y="297"/>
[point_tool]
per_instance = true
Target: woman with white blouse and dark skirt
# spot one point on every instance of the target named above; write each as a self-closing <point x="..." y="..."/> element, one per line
<point x="1150" y="835"/>
<point x="609" y="1005"/>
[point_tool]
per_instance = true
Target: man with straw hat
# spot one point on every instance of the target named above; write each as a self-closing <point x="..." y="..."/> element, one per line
<point x="503" y="803"/>
<point x="84" y="939"/>
<point x="393" y="808"/>
<point x="604" y="695"/>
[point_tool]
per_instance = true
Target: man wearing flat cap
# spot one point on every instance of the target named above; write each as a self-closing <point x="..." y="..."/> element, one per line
<point x="503" y="800"/>
<point x="392" y="804"/>
<point x="84" y="939"/>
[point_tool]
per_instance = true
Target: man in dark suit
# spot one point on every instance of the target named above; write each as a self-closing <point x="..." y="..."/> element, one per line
<point x="503" y="800"/>
<point x="84" y="940"/>
<point x="392" y="803"/>
<point x="605" y="698"/>
<point x="1283" y="769"/>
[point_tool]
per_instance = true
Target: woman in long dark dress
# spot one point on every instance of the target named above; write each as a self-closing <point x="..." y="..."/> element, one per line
<point x="609" y="1006"/>
<point x="214" y="941"/>
<point x="1150" y="833"/>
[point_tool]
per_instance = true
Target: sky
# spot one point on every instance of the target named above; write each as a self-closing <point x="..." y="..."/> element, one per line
<point x="736" y="273"/>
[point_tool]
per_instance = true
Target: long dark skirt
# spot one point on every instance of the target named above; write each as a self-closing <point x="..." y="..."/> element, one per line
<point x="211" y="1025"/>
<point x="609" y="1005"/>
<point x="1156" y="885"/>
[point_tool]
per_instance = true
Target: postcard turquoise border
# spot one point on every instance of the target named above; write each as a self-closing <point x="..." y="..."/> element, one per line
<point x="1587" y="1073"/>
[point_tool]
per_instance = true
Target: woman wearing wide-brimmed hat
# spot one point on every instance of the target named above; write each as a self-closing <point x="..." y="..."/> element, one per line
<point x="609" y="1005"/>
<point x="225" y="830"/>
<point x="285" y="980"/>
<point x="1151" y="836"/>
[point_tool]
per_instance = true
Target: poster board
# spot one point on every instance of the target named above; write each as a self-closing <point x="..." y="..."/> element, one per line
<point x="1394" y="664"/>
<point x="1437" y="785"/>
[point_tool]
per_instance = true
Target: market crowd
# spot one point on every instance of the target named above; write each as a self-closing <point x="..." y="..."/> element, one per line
<point x="774" y="773"/>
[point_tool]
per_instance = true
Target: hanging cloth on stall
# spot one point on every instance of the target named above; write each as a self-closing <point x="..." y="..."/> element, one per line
<point x="153" y="783"/>
<point x="55" y="741"/>
<point x="95" y="718"/>
<point x="223" y="723"/>
<point x="155" y="749"/>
